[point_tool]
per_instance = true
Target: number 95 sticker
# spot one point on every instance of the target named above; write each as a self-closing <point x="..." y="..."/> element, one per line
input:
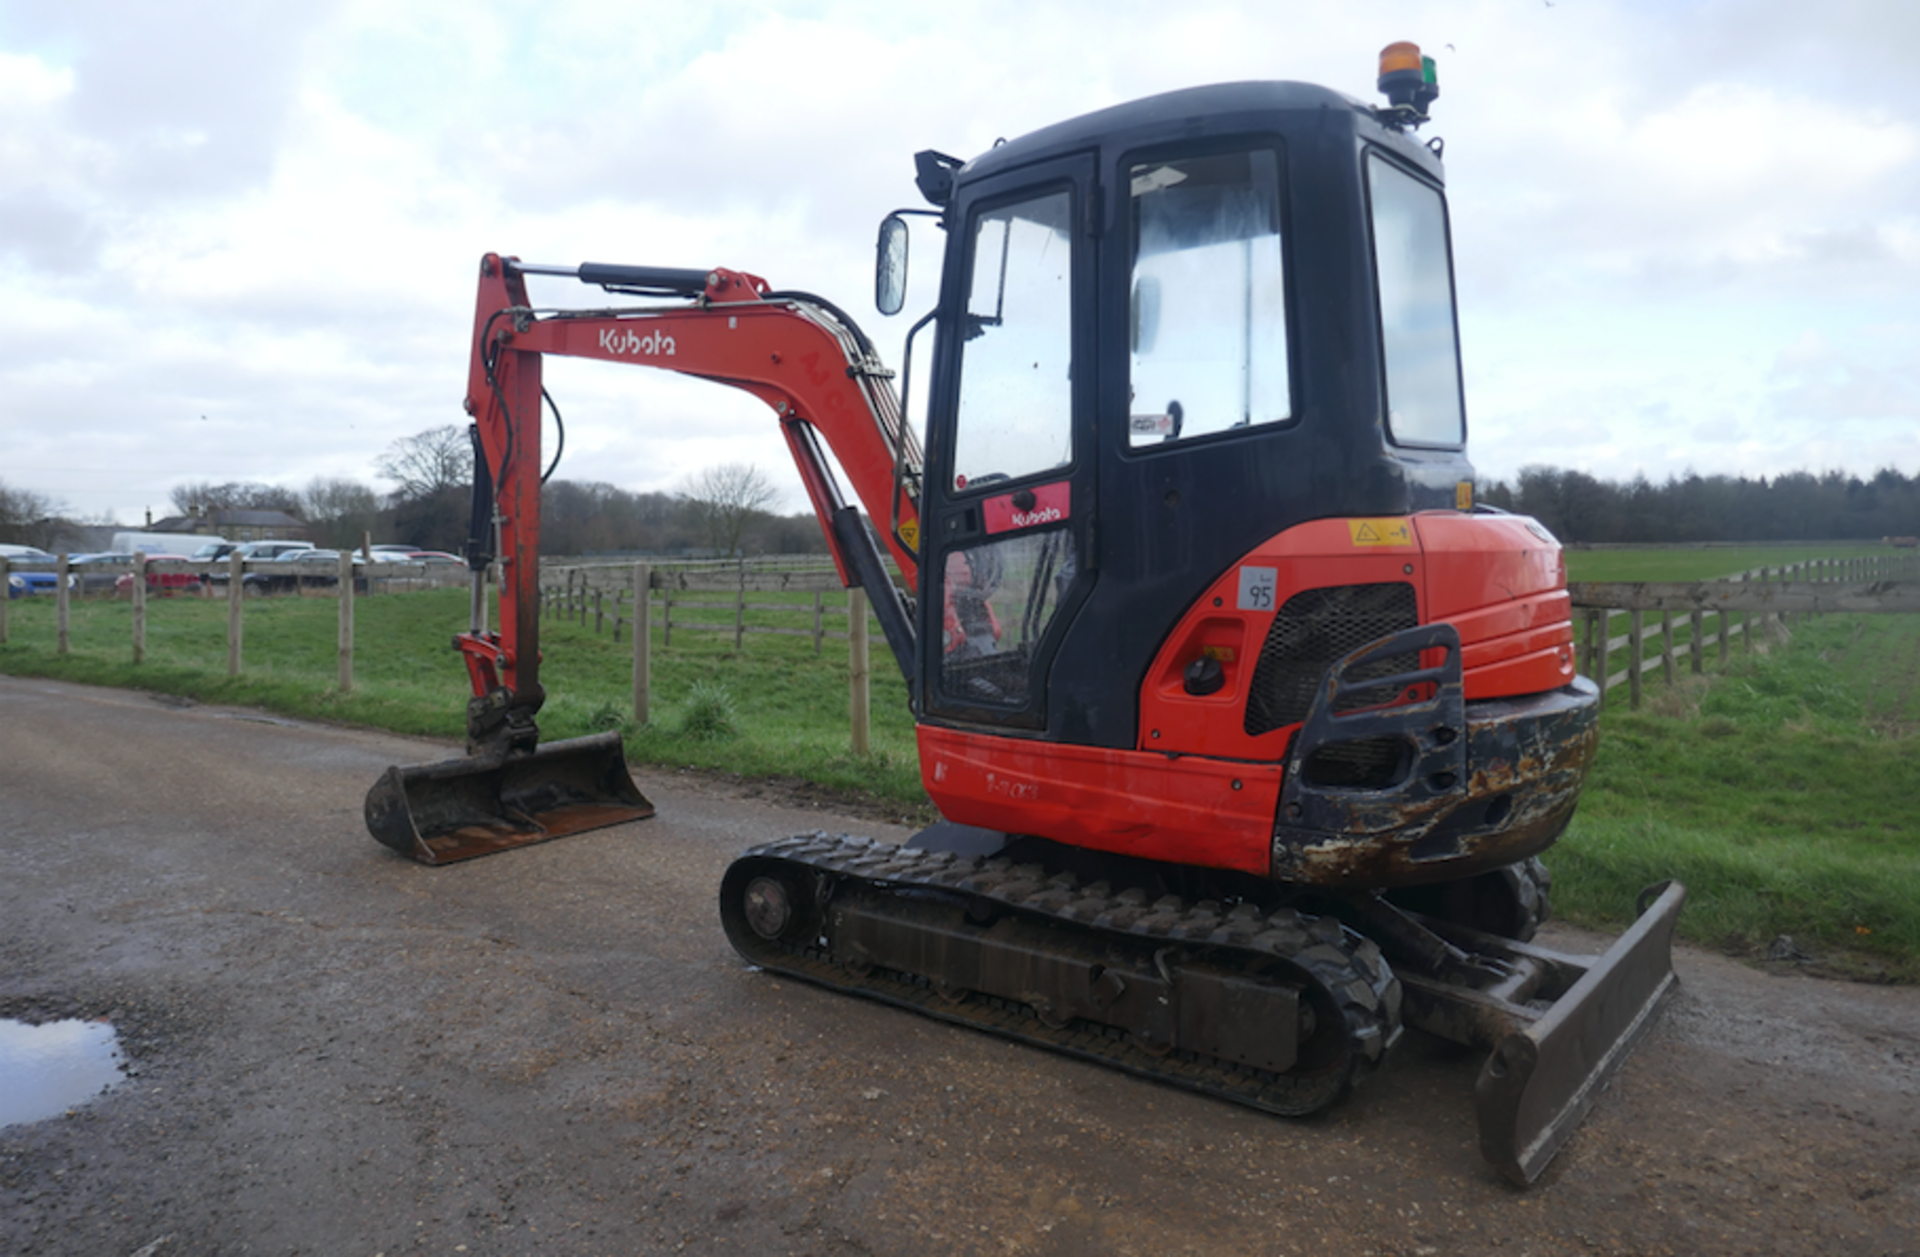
<point x="1257" y="586"/>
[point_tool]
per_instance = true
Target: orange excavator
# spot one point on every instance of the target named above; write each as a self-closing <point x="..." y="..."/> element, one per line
<point x="1247" y="723"/>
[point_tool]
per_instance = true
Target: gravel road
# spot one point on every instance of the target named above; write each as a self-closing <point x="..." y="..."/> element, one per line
<point x="554" y="1050"/>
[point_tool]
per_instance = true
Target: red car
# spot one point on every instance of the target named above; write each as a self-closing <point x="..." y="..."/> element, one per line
<point x="167" y="583"/>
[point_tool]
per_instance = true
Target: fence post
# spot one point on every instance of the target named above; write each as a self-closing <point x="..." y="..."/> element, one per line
<point x="858" y="677"/>
<point x="1746" y="621"/>
<point x="1698" y="621"/>
<point x="62" y="608"/>
<point x="642" y="643"/>
<point x="1724" y="616"/>
<point x="1604" y="652"/>
<point x="740" y="609"/>
<point x="666" y="614"/>
<point x="233" y="613"/>
<point x="346" y="620"/>
<point x="138" y="593"/>
<point x="1636" y="642"/>
<point x="819" y="608"/>
<point x="599" y="614"/>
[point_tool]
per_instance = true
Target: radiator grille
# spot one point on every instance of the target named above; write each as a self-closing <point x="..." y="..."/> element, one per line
<point x="1313" y="631"/>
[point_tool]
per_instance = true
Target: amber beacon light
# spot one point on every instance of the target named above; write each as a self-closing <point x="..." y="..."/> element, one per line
<point x="1408" y="81"/>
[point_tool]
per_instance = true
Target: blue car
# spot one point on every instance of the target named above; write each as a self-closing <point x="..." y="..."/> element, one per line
<point x="20" y="584"/>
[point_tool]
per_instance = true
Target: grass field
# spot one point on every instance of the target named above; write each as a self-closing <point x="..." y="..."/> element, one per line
<point x="1702" y="562"/>
<point x="1780" y="789"/>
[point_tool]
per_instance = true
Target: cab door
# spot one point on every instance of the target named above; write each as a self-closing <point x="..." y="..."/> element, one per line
<point x="1010" y="483"/>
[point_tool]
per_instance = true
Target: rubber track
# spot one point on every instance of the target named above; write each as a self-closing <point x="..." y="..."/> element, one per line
<point x="1348" y="967"/>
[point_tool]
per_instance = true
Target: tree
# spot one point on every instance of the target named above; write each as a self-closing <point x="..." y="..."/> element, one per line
<point x="340" y="511"/>
<point x="27" y="518"/>
<point x="203" y="497"/>
<point x="434" y="471"/>
<point x="725" y="499"/>
<point x="427" y="464"/>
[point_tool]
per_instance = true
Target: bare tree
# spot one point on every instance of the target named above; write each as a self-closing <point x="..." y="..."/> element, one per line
<point x="201" y="497"/>
<point x="725" y="499"/>
<point x="27" y="518"/>
<point x="340" y="511"/>
<point x="427" y="464"/>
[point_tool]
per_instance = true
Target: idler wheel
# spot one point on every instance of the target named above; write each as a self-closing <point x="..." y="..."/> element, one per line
<point x="768" y="907"/>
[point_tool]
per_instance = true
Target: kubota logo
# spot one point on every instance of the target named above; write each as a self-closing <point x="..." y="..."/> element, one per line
<point x="1045" y="515"/>
<point x="616" y="340"/>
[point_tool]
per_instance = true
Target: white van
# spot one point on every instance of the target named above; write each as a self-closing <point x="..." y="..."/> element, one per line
<point x="161" y="542"/>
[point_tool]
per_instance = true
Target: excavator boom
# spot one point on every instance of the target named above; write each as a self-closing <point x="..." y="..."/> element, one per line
<point x="813" y="368"/>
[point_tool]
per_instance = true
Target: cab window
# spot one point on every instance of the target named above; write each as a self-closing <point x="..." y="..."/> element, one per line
<point x="1417" y="332"/>
<point x="1209" y="312"/>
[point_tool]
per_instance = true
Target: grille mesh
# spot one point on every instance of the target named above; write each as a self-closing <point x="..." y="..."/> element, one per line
<point x="1312" y="632"/>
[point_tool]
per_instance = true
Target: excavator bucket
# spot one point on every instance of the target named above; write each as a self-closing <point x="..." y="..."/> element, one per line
<point x="461" y="808"/>
<point x="1559" y="1027"/>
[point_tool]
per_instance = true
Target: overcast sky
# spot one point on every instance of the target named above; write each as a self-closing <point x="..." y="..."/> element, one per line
<point x="238" y="239"/>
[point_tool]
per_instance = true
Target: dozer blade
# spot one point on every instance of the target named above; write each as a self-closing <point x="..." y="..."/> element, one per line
<point x="1539" y="1083"/>
<point x="1559" y="1026"/>
<point x="461" y="808"/>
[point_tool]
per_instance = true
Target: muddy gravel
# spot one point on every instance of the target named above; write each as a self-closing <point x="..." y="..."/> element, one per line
<point x="335" y="1051"/>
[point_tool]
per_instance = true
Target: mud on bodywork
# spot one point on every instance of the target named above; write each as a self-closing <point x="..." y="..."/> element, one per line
<point x="1432" y="788"/>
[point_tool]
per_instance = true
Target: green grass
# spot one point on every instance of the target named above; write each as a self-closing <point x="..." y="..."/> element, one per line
<point x="1702" y="562"/>
<point x="1779" y="789"/>
<point x="1781" y="792"/>
<point x="791" y="708"/>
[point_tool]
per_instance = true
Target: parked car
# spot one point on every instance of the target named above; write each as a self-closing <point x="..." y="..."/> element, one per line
<point x="214" y="551"/>
<point x="322" y="568"/>
<point x="23" y="584"/>
<point x="436" y="557"/>
<point x="162" y="583"/>
<point x="253" y="551"/>
<point x="99" y="573"/>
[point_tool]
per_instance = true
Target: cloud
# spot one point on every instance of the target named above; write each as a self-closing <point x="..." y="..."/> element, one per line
<point x="270" y="215"/>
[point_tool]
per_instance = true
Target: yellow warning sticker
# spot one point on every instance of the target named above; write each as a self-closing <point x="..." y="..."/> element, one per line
<point x="910" y="533"/>
<point x="1463" y="496"/>
<point x="1380" y="532"/>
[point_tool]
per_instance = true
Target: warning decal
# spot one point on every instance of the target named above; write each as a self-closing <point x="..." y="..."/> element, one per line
<point x="1380" y="532"/>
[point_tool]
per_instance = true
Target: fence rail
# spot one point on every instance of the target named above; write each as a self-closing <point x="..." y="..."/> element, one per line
<point x="1742" y="607"/>
<point x="615" y="596"/>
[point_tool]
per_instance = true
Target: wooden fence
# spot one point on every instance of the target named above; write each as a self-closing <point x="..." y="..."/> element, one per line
<point x="618" y="596"/>
<point x="1742" y="608"/>
<point x="613" y="596"/>
<point x="227" y="578"/>
<point x="719" y="597"/>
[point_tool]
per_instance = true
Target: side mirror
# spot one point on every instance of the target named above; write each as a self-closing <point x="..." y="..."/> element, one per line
<point x="890" y="265"/>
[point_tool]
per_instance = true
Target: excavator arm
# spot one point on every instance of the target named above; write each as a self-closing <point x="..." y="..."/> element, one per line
<point x="808" y="362"/>
<point x="796" y="353"/>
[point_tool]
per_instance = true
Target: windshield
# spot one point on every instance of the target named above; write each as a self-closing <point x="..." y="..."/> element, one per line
<point x="1209" y="318"/>
<point x="1416" y="309"/>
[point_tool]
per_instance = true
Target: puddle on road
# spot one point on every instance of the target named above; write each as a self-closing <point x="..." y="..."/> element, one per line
<point x="47" y="1069"/>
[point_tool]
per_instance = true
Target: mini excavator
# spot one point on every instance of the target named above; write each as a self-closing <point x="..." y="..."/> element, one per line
<point x="1246" y="723"/>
